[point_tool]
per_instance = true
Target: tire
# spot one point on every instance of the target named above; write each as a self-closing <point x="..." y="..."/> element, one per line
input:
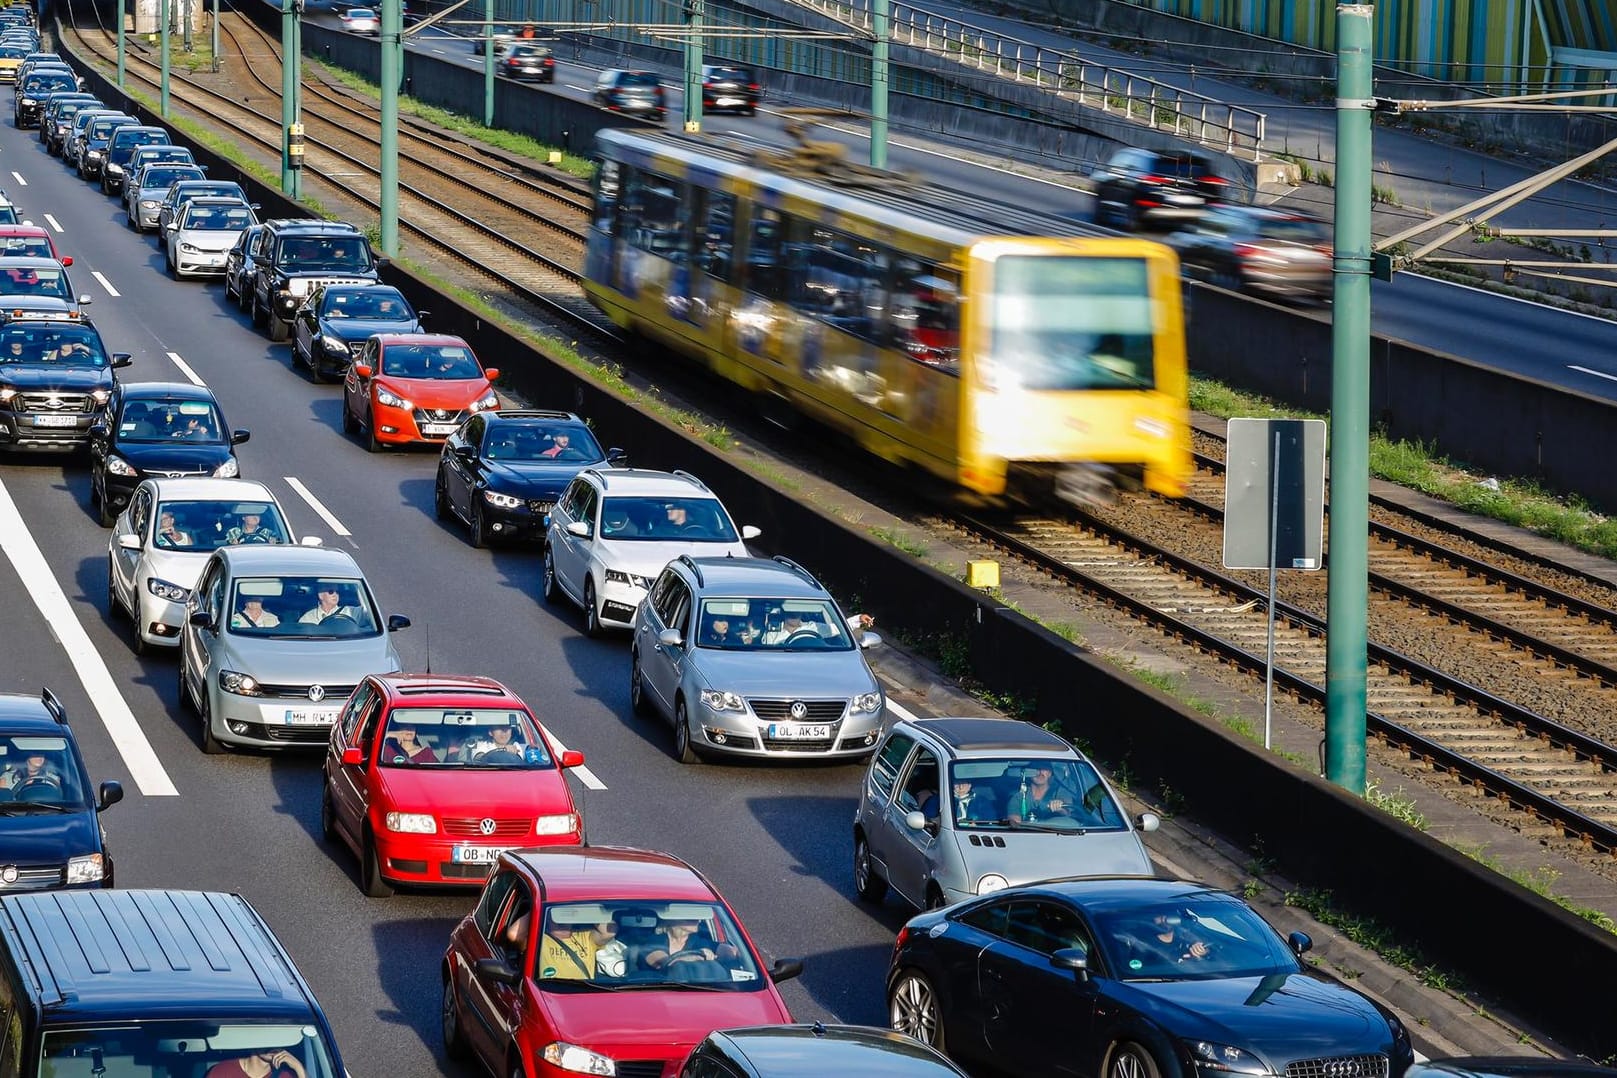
<point x="1129" y="1060"/>
<point x="684" y="751"/>
<point x="179" y="678"/>
<point x="256" y="311"/>
<point x="913" y="1009"/>
<point x="637" y="689"/>
<point x="137" y="641"/>
<point x="867" y="883"/>
<point x="104" y="511"/>
<point x="551" y="589"/>
<point x="350" y="425"/>
<point x="328" y="814"/>
<point x="449" y="1024"/>
<point x="210" y="744"/>
<point x="440" y="499"/>
<point x="479" y="532"/>
<point x="373" y="444"/>
<point x="279" y="329"/>
<point x="592" y="614"/>
<point x="114" y="607"/>
<point x="934" y="898"/>
<point x="370" y="870"/>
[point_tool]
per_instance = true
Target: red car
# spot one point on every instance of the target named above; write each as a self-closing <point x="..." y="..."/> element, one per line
<point x="429" y="778"/>
<point x="29" y="241"/>
<point x="600" y="960"/>
<point x="406" y="388"/>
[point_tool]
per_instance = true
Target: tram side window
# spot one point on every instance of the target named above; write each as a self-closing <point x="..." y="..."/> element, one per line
<point x="650" y="218"/>
<point x="715" y="235"/>
<point x="837" y="278"/>
<point x="606" y="194"/>
<point x="925" y="313"/>
<point x="764" y="239"/>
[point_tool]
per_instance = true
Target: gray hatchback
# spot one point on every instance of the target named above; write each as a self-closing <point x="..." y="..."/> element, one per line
<point x="954" y="808"/>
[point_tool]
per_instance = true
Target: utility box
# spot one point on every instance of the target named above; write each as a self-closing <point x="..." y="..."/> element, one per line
<point x="148" y="16"/>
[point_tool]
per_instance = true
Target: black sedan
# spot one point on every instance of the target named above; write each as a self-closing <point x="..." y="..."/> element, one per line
<point x="501" y="472"/>
<point x="813" y="1052"/>
<point x="530" y="63"/>
<point x="336" y="320"/>
<point x="166" y="429"/>
<point x="1130" y="977"/>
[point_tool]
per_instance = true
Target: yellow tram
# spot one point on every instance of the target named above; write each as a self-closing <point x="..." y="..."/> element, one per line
<point x="1004" y="350"/>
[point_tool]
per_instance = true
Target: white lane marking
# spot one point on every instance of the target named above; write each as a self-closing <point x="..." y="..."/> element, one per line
<point x="138" y="755"/>
<point x="900" y="710"/>
<point x="1586" y="370"/>
<point x="111" y="291"/>
<point x="315" y="504"/>
<point x="585" y="775"/>
<point x="18" y="177"/>
<point x="53" y="222"/>
<point x="185" y="369"/>
<point x="1513" y="299"/>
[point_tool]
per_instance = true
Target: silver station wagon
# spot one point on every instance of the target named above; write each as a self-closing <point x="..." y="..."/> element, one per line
<point x="955" y="808"/>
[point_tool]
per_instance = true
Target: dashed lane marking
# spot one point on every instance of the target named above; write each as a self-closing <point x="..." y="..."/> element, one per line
<point x="185" y="369"/>
<point x="111" y="291"/>
<point x="314" y="503"/>
<point x="18" y="177"/>
<point x="53" y="222"/>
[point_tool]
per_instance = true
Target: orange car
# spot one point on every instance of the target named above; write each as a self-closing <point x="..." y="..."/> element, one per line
<point x="406" y="388"/>
<point x="29" y="241"/>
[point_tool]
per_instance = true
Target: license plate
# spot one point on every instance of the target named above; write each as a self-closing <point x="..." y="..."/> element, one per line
<point x="310" y="716"/>
<point x="438" y="430"/>
<point x="791" y="731"/>
<point x="476" y="855"/>
<point x="55" y="420"/>
<point x="729" y="101"/>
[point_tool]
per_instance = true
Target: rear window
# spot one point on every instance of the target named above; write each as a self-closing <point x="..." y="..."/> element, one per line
<point x="729" y="74"/>
<point x="1185" y="168"/>
<point x="637" y="78"/>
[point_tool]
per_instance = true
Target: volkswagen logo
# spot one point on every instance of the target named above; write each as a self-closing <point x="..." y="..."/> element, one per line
<point x="317" y="693"/>
<point x="8" y="875"/>
<point x="799" y="710"/>
<point x="486" y="825"/>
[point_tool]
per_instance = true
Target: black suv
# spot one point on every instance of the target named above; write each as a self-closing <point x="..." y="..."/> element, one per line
<point x="55" y="380"/>
<point x="730" y="88"/>
<point x="49" y="834"/>
<point x="34" y="85"/>
<point x="1141" y="187"/>
<point x="298" y="256"/>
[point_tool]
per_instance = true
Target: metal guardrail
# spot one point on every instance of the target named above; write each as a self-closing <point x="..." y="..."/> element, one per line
<point x="1146" y="101"/>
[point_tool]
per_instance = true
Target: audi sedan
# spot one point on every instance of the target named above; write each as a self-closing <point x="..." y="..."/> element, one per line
<point x="169" y="429"/>
<point x="404" y="389"/>
<point x="430" y="777"/>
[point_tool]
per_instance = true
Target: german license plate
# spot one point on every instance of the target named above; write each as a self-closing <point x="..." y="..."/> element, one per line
<point x="723" y="101"/>
<point x="438" y="430"/>
<point x="792" y="731"/>
<point x="476" y="855"/>
<point x="310" y="716"/>
<point x="55" y="420"/>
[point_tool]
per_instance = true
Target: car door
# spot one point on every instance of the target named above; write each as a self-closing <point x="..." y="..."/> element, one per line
<point x="126" y="564"/>
<point x="493" y="1005"/>
<point x="1024" y="997"/>
<point x="460" y="473"/>
<point x="359" y="389"/>
<point x="910" y="856"/>
<point x="197" y="642"/>
<point x="350" y="787"/>
<point x="881" y="781"/>
<point x="572" y="552"/>
<point x="667" y="663"/>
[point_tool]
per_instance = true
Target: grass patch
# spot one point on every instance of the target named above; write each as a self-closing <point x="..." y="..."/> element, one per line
<point x="1541" y="881"/>
<point x="1396" y="804"/>
<point x="1374" y="936"/>
<point x="895" y="538"/>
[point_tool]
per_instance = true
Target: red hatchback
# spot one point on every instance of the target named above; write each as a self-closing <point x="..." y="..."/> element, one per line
<point x="429" y="778"/>
<point x="600" y="961"/>
<point x="407" y="388"/>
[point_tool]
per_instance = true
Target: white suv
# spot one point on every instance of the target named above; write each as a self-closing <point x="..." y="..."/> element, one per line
<point x="614" y="530"/>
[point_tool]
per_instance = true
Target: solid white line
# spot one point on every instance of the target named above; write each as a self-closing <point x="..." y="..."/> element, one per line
<point x="18" y="177"/>
<point x="111" y="291"/>
<point x="314" y="503"/>
<point x="900" y="710"/>
<point x="185" y="369"/>
<point x="127" y="736"/>
<point x="585" y="775"/>
<point x="53" y="222"/>
<point x="1513" y="299"/>
<point x="1586" y="370"/>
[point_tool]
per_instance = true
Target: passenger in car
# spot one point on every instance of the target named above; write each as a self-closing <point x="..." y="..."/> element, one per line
<point x="403" y="746"/>
<point x="273" y="1063"/>
<point x="252" y="615"/>
<point x="973" y="805"/>
<point x="168" y="534"/>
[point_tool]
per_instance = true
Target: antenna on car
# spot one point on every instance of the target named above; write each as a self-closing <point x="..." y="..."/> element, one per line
<point x="426" y="631"/>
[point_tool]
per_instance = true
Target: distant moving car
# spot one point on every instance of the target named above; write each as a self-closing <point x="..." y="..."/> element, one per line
<point x="635" y="93"/>
<point x="730" y="88"/>
<point x="502" y="472"/>
<point x="360" y="20"/>
<point x="814" y="1051"/>
<point x="503" y="36"/>
<point x="1127" y="978"/>
<point x="409" y="388"/>
<point x="1140" y="188"/>
<point x="645" y="935"/>
<point x="336" y="320"/>
<point x="956" y="807"/>
<point x="429" y="778"/>
<point x="157" y="428"/>
<point x="529" y="63"/>
<point x="199" y="240"/>
<point x="1260" y="249"/>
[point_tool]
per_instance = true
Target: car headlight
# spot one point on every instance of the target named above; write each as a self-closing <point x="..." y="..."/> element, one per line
<point x="415" y="823"/>
<point x="723" y="701"/>
<point x="117" y="465"/>
<point x="561" y="824"/>
<point x="570" y="1057"/>
<point x="189" y="248"/>
<point x="866" y="702"/>
<point x="94" y="155"/>
<point x="6" y="394"/>
<point x="392" y="400"/>
<point x="297" y="286"/>
<point x="618" y="576"/>
<point x="334" y="344"/>
<point x="85" y="869"/>
<point x="486" y="401"/>
<point x="1223" y="1057"/>
<point x="149" y="203"/>
<point x="164" y="590"/>
<point x="117" y="169"/>
<point x="239" y="684"/>
<point x="101" y="396"/>
<point x="506" y="501"/>
<point x="230" y="469"/>
<point x="991" y="883"/>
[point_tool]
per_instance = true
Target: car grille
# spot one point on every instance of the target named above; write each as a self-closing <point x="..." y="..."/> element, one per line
<point x="536" y="505"/>
<point x="1372" y="1066"/>
<point x="439" y="415"/>
<point x="640" y="1068"/>
<point x="333" y="692"/>
<point x="470" y="826"/>
<point x="54" y="402"/>
<point x="317" y="734"/>
<point x="775" y="744"/>
<point x="781" y="710"/>
<point x="159" y="473"/>
<point x="35" y="878"/>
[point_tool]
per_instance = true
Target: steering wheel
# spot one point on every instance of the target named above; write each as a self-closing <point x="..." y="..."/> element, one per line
<point x="261" y="536"/>
<point x="500" y="755"/>
<point x="801" y="634"/>
<point x="688" y="955"/>
<point x="340" y="620"/>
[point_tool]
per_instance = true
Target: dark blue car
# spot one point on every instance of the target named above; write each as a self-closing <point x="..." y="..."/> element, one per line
<point x="336" y="320"/>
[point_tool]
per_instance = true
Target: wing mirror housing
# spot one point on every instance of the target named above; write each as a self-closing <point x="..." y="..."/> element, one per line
<point x="128" y="541"/>
<point x="67" y="260"/>
<point x="785" y="969"/>
<point x="1300" y="942"/>
<point x="201" y="619"/>
<point x="395" y="622"/>
<point x="915" y="821"/>
<point x="112" y="792"/>
<point x="173" y="226"/>
<point x="751" y="531"/>
<point x="491" y="373"/>
<point x="311" y="540"/>
<point x="869" y="640"/>
<point x="86" y="299"/>
<point x="422" y="316"/>
<point x="122" y="359"/>
<point x="1148" y="821"/>
<point x="362" y="370"/>
<point x="617" y="456"/>
<point x="572" y="758"/>
<point x="580" y="528"/>
<point x="1073" y="959"/>
<point x="465" y="452"/>
<point x="670" y="638"/>
<point x="239" y="436"/>
<point x="353" y="756"/>
<point x="496" y="970"/>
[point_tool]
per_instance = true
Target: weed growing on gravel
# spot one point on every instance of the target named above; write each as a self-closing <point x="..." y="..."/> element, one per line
<point x="1541" y="881"/>
<point x="1395" y="804"/>
<point x="1374" y="936"/>
<point x="895" y="538"/>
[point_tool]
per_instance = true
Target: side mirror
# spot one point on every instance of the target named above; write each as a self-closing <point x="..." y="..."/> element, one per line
<point x="785" y="969"/>
<point x="395" y="622"/>
<point x="491" y="373"/>
<point x="572" y="758"/>
<point x="1071" y="958"/>
<point x="121" y="359"/>
<point x="1300" y="943"/>
<point x="1148" y="821"/>
<point x="870" y="640"/>
<point x="670" y="638"/>
<point x="422" y="316"/>
<point x="255" y="207"/>
<point x="382" y="260"/>
<point x="98" y="429"/>
<point x="239" y="436"/>
<point x="173" y="226"/>
<point x="86" y="299"/>
<point x="362" y="370"/>
<point x="496" y="970"/>
<point x="465" y="452"/>
<point x="129" y="541"/>
<point x="201" y="619"/>
<point x="751" y="531"/>
<point x="353" y="756"/>
<point x="67" y="260"/>
<point x="915" y="821"/>
<point x="616" y="456"/>
<point x="311" y="540"/>
<point x="112" y="792"/>
<point x="580" y="528"/>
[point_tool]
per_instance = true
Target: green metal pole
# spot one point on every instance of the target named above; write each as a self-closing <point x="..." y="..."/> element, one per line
<point x="693" y="65"/>
<point x="878" y="84"/>
<point x="296" y="61"/>
<point x="1347" y="599"/>
<point x="392" y="72"/>
<point x="488" y="63"/>
<point x="213" y="42"/>
<point x="289" y="91"/>
<point x="163" y="44"/>
<point x="121" y="47"/>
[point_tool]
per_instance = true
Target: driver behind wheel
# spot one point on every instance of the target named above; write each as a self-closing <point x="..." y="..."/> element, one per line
<point x="500" y="743"/>
<point x="35" y="773"/>
<point x="251" y="530"/>
<point x="679" y="940"/>
<point x="328" y="604"/>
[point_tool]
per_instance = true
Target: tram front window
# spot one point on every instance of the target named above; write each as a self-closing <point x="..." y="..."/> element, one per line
<point x="1063" y="323"/>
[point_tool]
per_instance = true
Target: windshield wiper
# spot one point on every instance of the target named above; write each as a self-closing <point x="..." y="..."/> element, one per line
<point x="1027" y="825"/>
<point x="13" y="808"/>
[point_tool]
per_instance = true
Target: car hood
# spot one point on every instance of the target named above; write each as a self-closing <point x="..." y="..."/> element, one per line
<point x="209" y="239"/>
<point x="453" y="393"/>
<point x="359" y="329"/>
<point x="533" y="478"/>
<point x="304" y="660"/>
<point x="47" y="837"/>
<point x="459" y="791"/>
<point x="80" y="379"/>
<point x="172" y="456"/>
<point x="787" y="674"/>
<point x="180" y="567"/>
<point x="667" y="1023"/>
<point x="1028" y="856"/>
<point x="648" y="558"/>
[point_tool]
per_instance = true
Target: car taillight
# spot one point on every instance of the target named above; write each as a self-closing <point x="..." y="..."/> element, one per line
<point x="1215" y="181"/>
<point x="903" y="935"/>
<point x="753" y="86"/>
<point x="1248" y="250"/>
<point x="1154" y="179"/>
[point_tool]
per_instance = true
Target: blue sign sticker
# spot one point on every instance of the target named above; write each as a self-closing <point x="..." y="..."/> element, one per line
<point x="1135" y="963"/>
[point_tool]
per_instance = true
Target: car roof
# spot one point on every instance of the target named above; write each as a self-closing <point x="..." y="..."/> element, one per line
<point x="1109" y="894"/>
<point x="21" y="711"/>
<point x="985" y="735"/>
<point x="432" y="339"/>
<point x="571" y="873"/>
<point x="648" y="481"/>
<point x="288" y="560"/>
<point x="298" y="224"/>
<point x="207" y="489"/>
<point x="764" y="577"/>
<point x="23" y="230"/>
<point x="407" y="688"/>
<point x="165" y="390"/>
<point x="862" y="1050"/>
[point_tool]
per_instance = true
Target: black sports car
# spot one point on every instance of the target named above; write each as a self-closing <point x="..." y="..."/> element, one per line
<point x="165" y="429"/>
<point x="1130" y="977"/>
<point x="337" y="320"/>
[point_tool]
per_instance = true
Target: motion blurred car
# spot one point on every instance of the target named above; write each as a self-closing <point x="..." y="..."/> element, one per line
<point x="170" y="429"/>
<point x="1259" y="249"/>
<point x="10" y="57"/>
<point x="429" y="778"/>
<point x="1146" y="188"/>
<point x="199" y="239"/>
<point x="405" y="389"/>
<point x="29" y="241"/>
<point x="501" y="472"/>
<point x="730" y="88"/>
<point x="503" y="36"/>
<point x="635" y="93"/>
<point x="148" y="187"/>
<point x="336" y="321"/>
<point x="360" y="20"/>
<point x="150" y="572"/>
<point x="1129" y="977"/>
<point x="528" y="63"/>
<point x="752" y="657"/>
<point x="645" y="935"/>
<point x="55" y="381"/>
<point x="278" y="681"/>
<point x="93" y="152"/>
<point x="814" y="1051"/>
<point x="954" y="807"/>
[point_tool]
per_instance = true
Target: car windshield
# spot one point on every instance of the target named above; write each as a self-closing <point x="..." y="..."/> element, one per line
<point x="11" y="53"/>
<point x="26" y="247"/>
<point x="130" y="141"/>
<point x="1018" y="793"/>
<point x="1293" y="230"/>
<point x="183" y="1047"/>
<point x="38" y="771"/>
<point x="463" y="737"/>
<point x="685" y="520"/>
<point x="164" y="419"/>
<point x="326" y="253"/>
<point x="1184" y="168"/>
<point x="450" y="361"/>
<point x="162" y="177"/>
<point x="521" y="440"/>
<point x="361" y="13"/>
<point x="302" y="606"/>
<point x="217" y="218"/>
<point x="34" y="281"/>
<point x="1147" y="941"/>
<point x="202" y="525"/>
<point x="73" y="345"/>
<point x="772" y="625"/>
<point x="39" y="84"/>
<point x="1062" y="323"/>
<point x="100" y="129"/>
<point x="380" y="305"/>
<point x="619" y="945"/>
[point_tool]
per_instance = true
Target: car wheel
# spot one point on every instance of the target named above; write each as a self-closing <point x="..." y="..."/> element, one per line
<point x="210" y="744"/>
<point x="328" y="814"/>
<point x="373" y="444"/>
<point x="138" y="641"/>
<point x="105" y="513"/>
<point x="449" y="1023"/>
<point x="934" y="898"/>
<point x="371" y="870"/>
<point x="179" y="679"/>
<point x="637" y="688"/>
<point x="913" y="1009"/>
<point x="440" y="498"/>
<point x="1129" y="1060"/>
<point x="114" y="607"/>
<point x="479" y="528"/>
<point x="552" y="590"/>
<point x="592" y="615"/>
<point x="350" y="425"/>
<point x="866" y="882"/>
<point x="684" y="751"/>
<point x="257" y="311"/>
<point x="279" y="328"/>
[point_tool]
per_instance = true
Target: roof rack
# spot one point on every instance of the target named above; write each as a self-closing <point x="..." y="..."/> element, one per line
<point x="53" y="704"/>
<point x="799" y="570"/>
<point x="694" y="568"/>
<point x="695" y="482"/>
<point x="595" y="472"/>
